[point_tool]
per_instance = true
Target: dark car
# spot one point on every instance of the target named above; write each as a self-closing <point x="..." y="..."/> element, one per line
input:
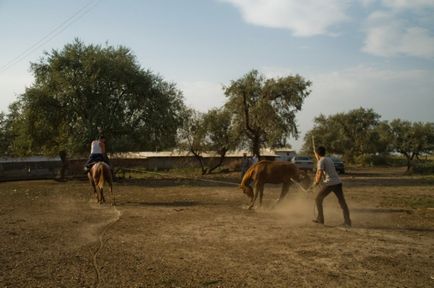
<point x="339" y="165"/>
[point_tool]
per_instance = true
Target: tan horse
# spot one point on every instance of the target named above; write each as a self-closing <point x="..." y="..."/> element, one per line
<point x="265" y="171"/>
<point x="98" y="174"/>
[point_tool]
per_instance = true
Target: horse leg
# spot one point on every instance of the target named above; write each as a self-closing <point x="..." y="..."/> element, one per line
<point x="102" y="195"/>
<point x="261" y="194"/>
<point x="283" y="192"/>
<point x="92" y="183"/>
<point x="109" y="178"/>
<point x="255" y="195"/>
<point x="111" y="192"/>
<point x="98" y="195"/>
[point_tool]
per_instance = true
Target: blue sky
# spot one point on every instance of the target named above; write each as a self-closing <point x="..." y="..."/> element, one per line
<point x="363" y="53"/>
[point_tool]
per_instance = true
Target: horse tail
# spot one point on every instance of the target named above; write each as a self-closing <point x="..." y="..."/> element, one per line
<point x="247" y="176"/>
<point x="100" y="176"/>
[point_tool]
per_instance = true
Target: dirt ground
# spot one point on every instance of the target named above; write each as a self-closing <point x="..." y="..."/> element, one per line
<point x="178" y="233"/>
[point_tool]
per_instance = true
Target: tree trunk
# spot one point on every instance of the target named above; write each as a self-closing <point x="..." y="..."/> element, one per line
<point x="409" y="162"/>
<point x="256" y="146"/>
<point x="199" y="158"/>
<point x="221" y="159"/>
<point x="63" y="158"/>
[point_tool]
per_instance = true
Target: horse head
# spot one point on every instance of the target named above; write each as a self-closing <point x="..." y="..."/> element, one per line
<point x="248" y="190"/>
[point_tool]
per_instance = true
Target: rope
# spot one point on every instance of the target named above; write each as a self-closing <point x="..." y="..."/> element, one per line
<point x="180" y="176"/>
<point x="99" y="248"/>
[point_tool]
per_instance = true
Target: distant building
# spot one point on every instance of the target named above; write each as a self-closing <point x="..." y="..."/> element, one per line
<point x="283" y="154"/>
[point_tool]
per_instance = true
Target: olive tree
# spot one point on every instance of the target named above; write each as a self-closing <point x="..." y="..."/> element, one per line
<point x="83" y="89"/>
<point x="264" y="110"/>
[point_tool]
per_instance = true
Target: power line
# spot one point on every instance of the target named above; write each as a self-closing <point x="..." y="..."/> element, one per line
<point x="52" y="34"/>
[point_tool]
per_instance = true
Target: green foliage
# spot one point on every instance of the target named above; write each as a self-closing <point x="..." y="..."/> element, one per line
<point x="192" y="134"/>
<point x="361" y="138"/>
<point x="411" y="139"/>
<point x="353" y="134"/>
<point x="263" y="110"/>
<point x="83" y="89"/>
<point x="5" y="134"/>
<point x="211" y="132"/>
<point x="424" y="167"/>
<point x="220" y="136"/>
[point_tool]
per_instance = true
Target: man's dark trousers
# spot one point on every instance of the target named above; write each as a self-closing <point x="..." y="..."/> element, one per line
<point x="326" y="190"/>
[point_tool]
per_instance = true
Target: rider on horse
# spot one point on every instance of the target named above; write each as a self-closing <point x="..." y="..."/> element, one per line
<point x="97" y="153"/>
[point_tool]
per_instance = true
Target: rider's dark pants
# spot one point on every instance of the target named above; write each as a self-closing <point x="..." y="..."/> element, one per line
<point x="93" y="158"/>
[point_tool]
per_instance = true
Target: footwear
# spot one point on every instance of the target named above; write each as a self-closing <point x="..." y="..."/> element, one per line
<point x="316" y="221"/>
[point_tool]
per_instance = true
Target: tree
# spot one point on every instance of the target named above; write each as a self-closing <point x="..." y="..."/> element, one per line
<point x="412" y="139"/>
<point x="191" y="136"/>
<point x="209" y="132"/>
<point x="263" y="110"/>
<point x="352" y="134"/>
<point x="86" y="88"/>
<point x="219" y="137"/>
<point x="5" y="134"/>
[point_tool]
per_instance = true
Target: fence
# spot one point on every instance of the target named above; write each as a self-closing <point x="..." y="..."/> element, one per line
<point x="29" y="168"/>
<point x="50" y="168"/>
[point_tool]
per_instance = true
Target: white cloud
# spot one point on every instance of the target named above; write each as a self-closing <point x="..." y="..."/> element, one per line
<point x="303" y="18"/>
<point x="388" y="35"/>
<point x="203" y="95"/>
<point x="366" y="3"/>
<point x="409" y="4"/>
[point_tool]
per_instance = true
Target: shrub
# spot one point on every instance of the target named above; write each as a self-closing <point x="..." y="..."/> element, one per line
<point x="424" y="167"/>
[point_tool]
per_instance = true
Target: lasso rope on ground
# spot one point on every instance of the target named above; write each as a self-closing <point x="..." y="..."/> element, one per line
<point x="179" y="176"/>
<point x="99" y="248"/>
<point x="198" y="179"/>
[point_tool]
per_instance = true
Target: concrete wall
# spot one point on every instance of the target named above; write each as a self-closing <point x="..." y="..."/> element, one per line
<point x="29" y="168"/>
<point x="47" y="168"/>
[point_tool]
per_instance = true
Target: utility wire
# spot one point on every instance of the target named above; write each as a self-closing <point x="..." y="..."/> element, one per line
<point x="52" y="34"/>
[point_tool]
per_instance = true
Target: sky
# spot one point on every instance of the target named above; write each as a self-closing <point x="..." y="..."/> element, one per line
<point x="375" y="54"/>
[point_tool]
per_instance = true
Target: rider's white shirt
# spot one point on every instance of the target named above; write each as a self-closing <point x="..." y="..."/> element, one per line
<point x="95" y="148"/>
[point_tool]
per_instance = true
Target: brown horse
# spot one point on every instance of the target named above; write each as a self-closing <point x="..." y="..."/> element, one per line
<point x="98" y="174"/>
<point x="265" y="171"/>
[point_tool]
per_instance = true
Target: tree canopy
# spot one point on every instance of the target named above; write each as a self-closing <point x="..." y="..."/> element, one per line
<point x="210" y="132"/>
<point x="263" y="110"/>
<point x="350" y="134"/>
<point x="83" y="89"/>
<point x="411" y="139"/>
<point x="360" y="133"/>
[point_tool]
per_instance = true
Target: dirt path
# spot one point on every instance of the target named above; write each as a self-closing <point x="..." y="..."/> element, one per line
<point x="174" y="234"/>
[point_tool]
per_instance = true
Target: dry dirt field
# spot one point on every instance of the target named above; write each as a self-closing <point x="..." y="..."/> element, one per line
<point x="179" y="233"/>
